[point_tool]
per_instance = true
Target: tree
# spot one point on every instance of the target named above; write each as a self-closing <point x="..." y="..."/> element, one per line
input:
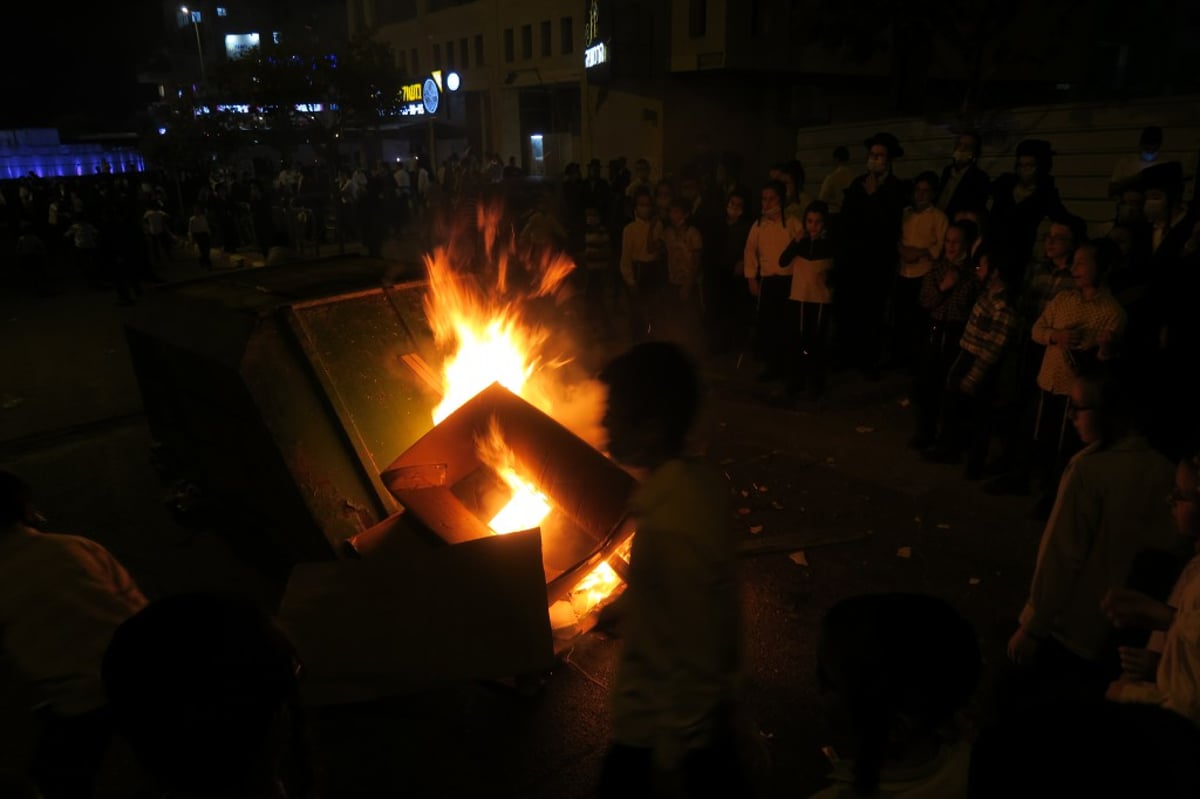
<point x="307" y="92"/>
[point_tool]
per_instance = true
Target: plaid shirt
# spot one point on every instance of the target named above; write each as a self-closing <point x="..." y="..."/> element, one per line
<point x="1043" y="281"/>
<point x="989" y="330"/>
<point x="1069" y="310"/>
<point x="953" y="305"/>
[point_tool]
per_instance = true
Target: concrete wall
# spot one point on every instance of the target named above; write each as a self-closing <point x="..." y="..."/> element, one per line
<point x="626" y="124"/>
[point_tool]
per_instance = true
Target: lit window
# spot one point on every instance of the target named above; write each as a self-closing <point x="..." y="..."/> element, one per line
<point x="222" y="11"/>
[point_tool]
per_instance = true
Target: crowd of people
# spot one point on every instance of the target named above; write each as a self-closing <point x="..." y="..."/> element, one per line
<point x="1040" y="357"/>
<point x="988" y="291"/>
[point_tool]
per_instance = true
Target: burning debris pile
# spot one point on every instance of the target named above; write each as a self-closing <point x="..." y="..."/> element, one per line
<point x="513" y="529"/>
<point x="481" y="323"/>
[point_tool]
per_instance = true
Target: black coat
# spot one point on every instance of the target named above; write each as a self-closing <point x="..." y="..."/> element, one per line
<point x="1014" y="225"/>
<point x="869" y="227"/>
<point x="970" y="194"/>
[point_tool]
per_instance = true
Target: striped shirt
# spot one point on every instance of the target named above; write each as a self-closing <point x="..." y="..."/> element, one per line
<point x="683" y="255"/>
<point x="61" y="598"/>
<point x="989" y="330"/>
<point x="1069" y="310"/>
<point x="597" y="247"/>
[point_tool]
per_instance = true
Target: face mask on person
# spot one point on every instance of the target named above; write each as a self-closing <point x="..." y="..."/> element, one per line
<point x="1149" y="155"/>
<point x="1155" y="209"/>
<point x="1027" y="173"/>
<point x="962" y="157"/>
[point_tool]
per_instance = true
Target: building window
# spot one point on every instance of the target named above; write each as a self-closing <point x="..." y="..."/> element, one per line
<point x="698" y="18"/>
<point x="567" y="35"/>
<point x="222" y="11"/>
<point x="464" y="53"/>
<point x="479" y="49"/>
<point x="546" y="34"/>
<point x="450" y="55"/>
<point x="508" y="45"/>
<point x="759" y="18"/>
<point x="437" y="57"/>
<point x="527" y="42"/>
<point x="415" y="62"/>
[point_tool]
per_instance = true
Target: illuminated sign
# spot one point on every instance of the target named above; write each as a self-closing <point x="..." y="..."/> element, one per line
<point x="431" y="96"/>
<point x="591" y="29"/>
<point x="421" y="99"/>
<point x="595" y="55"/>
<point x="246" y="108"/>
<point x="238" y="44"/>
<point x="453" y="81"/>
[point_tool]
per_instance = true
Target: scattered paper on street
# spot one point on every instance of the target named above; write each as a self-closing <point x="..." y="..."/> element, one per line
<point x="943" y="526"/>
<point x="974" y="581"/>
<point x="904" y="552"/>
<point x="743" y="511"/>
<point x="776" y="504"/>
<point x="798" y="558"/>
<point x="755" y="529"/>
<point x="862" y="428"/>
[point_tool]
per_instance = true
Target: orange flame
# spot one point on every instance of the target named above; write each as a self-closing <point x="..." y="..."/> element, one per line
<point x="485" y="331"/>
<point x="480" y="322"/>
<point x="528" y="506"/>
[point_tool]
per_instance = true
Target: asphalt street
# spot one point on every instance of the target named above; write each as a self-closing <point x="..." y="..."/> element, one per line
<point x="829" y="501"/>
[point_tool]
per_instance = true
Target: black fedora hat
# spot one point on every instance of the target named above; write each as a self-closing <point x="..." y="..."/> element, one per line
<point x="890" y="142"/>
<point x="1166" y="177"/>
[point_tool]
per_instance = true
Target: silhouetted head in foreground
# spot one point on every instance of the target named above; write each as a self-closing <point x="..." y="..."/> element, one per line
<point x="894" y="670"/>
<point x="653" y="393"/>
<point x="204" y="688"/>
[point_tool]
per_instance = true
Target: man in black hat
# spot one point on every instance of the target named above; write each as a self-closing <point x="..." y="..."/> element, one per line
<point x="1172" y="260"/>
<point x="1162" y="186"/>
<point x="1021" y="199"/>
<point x="964" y="184"/>
<point x="869" y="229"/>
<point x="1128" y="168"/>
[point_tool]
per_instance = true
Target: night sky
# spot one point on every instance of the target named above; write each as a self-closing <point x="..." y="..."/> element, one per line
<point x="67" y="58"/>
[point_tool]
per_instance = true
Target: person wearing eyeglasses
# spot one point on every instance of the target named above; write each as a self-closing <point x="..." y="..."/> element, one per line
<point x="1108" y="510"/>
<point x="1166" y="671"/>
<point x="1079" y="327"/>
<point x="1043" y="281"/>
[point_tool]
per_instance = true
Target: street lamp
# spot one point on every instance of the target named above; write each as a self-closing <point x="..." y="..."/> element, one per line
<point x="195" y="15"/>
